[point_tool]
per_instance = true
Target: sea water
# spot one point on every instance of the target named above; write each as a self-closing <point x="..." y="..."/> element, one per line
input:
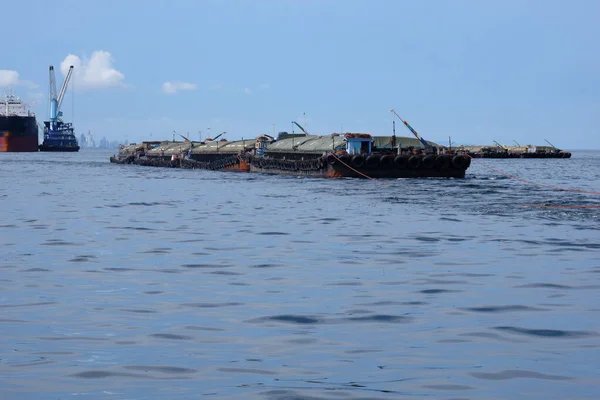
<point x="128" y="282"/>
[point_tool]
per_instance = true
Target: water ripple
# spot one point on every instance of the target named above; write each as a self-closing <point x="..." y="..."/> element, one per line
<point x="170" y="336"/>
<point x="161" y="368"/>
<point x="496" y="309"/>
<point x="546" y="332"/>
<point x="211" y="305"/>
<point x="44" y="303"/>
<point x="517" y="373"/>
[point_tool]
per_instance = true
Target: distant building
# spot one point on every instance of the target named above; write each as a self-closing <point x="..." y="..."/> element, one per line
<point x="90" y="140"/>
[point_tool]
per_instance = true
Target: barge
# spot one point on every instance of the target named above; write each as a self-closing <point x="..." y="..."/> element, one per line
<point x="356" y="155"/>
<point x="515" y="152"/>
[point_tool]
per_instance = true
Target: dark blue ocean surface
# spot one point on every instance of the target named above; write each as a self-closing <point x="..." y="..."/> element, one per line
<point x="127" y="282"/>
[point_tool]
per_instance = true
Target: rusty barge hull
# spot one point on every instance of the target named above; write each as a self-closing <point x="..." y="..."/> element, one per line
<point x="332" y="166"/>
<point x="322" y="167"/>
<point x="350" y="156"/>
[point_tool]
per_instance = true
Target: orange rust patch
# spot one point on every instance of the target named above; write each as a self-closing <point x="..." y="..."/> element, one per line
<point x="244" y="166"/>
<point x="333" y="174"/>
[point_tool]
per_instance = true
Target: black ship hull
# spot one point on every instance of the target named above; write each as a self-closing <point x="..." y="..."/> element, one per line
<point x="18" y="134"/>
<point x="43" y="147"/>
<point x="59" y="139"/>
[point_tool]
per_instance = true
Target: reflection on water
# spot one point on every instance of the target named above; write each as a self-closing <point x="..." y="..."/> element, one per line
<point x="141" y="283"/>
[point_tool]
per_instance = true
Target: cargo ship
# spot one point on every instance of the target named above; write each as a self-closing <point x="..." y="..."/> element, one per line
<point x="58" y="135"/>
<point x="18" y="126"/>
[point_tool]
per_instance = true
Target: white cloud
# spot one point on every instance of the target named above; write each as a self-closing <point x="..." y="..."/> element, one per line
<point x="11" y="78"/>
<point x="174" y="87"/>
<point x="93" y="73"/>
<point x="36" y="97"/>
<point x="29" y="84"/>
<point x="247" y="91"/>
<point x="8" y="77"/>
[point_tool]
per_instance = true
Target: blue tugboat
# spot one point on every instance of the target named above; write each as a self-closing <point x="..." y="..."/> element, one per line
<point x="58" y="135"/>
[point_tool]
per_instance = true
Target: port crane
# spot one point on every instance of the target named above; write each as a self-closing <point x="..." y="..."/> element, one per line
<point x="410" y="128"/>
<point x="56" y="99"/>
<point x="554" y="147"/>
<point x="300" y="126"/>
<point x="501" y="146"/>
<point x="58" y="135"/>
<point x="215" y="138"/>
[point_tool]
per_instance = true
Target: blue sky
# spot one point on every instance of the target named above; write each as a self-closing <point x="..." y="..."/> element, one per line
<point x="477" y="71"/>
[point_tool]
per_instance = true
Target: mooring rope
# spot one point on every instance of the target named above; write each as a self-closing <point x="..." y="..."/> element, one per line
<point x="358" y="172"/>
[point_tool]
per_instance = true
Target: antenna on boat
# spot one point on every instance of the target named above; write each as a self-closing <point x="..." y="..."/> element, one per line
<point x="394" y="135"/>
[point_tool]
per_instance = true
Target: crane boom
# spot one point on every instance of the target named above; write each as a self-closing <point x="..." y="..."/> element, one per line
<point x="410" y="128"/>
<point x="215" y="138"/>
<point x="63" y="89"/>
<point x="299" y="126"/>
<point x="551" y="145"/>
<point x="501" y="146"/>
<point x="52" y="83"/>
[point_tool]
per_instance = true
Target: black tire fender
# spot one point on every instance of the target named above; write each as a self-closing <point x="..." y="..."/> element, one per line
<point x="386" y="162"/>
<point x="444" y="160"/>
<point x="414" y="161"/>
<point x="358" y="160"/>
<point x="401" y="161"/>
<point x="460" y="161"/>
<point x="429" y="161"/>
<point x="372" y="161"/>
